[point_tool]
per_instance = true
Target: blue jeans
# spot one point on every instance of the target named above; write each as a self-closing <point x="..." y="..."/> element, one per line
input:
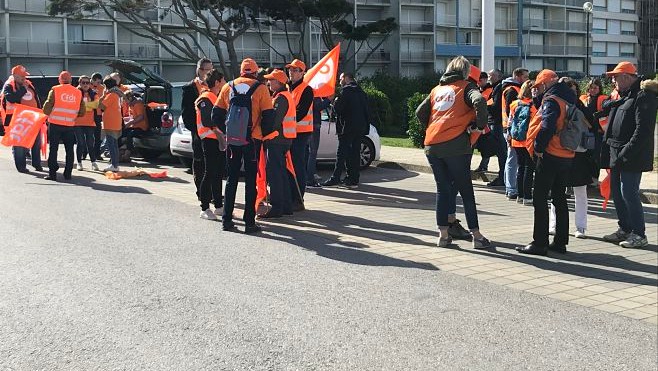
<point x="277" y="176"/>
<point x="450" y="174"/>
<point x="497" y="132"/>
<point x="625" y="189"/>
<point x="511" y="168"/>
<point x="311" y="167"/>
<point x="113" y="146"/>
<point x="84" y="136"/>
<point x="20" y="152"/>
<point x="299" y="154"/>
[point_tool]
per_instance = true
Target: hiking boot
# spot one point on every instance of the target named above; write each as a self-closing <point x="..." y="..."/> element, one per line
<point x="634" y="241"/>
<point x="496" y="183"/>
<point x="331" y="182"/>
<point x="94" y="166"/>
<point x="482" y="244"/>
<point x="617" y="236"/>
<point x="444" y="242"/>
<point x="456" y="231"/>
<point x="207" y="214"/>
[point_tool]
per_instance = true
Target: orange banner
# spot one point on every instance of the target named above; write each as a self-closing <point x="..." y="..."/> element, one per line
<point x="261" y="175"/>
<point x="322" y="76"/>
<point x="604" y="188"/>
<point x="24" y="127"/>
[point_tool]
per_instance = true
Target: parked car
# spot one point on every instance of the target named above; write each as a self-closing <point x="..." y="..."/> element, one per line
<point x="181" y="143"/>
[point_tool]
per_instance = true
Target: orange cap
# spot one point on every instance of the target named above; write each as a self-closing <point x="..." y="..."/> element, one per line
<point x="248" y="66"/>
<point x="623" y="67"/>
<point x="277" y="75"/>
<point x="64" y="76"/>
<point x="474" y="74"/>
<point x="545" y="76"/>
<point x="20" y="71"/>
<point x="297" y="64"/>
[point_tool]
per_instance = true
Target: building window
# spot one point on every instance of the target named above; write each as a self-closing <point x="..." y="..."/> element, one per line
<point x="627" y="28"/>
<point x="599" y="26"/>
<point x="627" y="50"/>
<point x="598" y="49"/>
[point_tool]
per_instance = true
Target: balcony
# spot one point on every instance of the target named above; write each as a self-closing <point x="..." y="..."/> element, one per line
<point x="417" y="56"/>
<point x="138" y="51"/>
<point x="374" y="2"/>
<point x="24" y="46"/>
<point x="574" y="3"/>
<point x="91" y="48"/>
<point x="446" y="20"/>
<point x="560" y="50"/>
<point x="547" y="24"/>
<point x="417" y="27"/>
<point x="381" y="56"/>
<point x="419" y="2"/>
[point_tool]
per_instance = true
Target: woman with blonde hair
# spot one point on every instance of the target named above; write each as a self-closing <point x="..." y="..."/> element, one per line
<point x="521" y="111"/>
<point x="448" y="113"/>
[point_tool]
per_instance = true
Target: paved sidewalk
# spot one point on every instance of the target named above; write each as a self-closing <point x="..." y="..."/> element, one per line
<point x="390" y="220"/>
<point x="413" y="159"/>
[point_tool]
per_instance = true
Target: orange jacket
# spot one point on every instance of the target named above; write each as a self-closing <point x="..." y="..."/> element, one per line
<point x="88" y="118"/>
<point x="112" y="118"/>
<point x="450" y="115"/>
<point x="554" y="147"/>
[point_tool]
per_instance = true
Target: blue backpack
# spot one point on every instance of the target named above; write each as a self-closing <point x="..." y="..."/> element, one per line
<point x="238" y="119"/>
<point x="520" y="121"/>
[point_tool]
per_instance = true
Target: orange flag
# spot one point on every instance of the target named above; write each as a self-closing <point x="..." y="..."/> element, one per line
<point x="604" y="188"/>
<point x="44" y="140"/>
<point x="261" y="175"/>
<point x="322" y="76"/>
<point x="24" y="127"/>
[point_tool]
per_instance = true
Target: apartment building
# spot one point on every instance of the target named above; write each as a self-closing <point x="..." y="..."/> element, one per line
<point x="533" y="33"/>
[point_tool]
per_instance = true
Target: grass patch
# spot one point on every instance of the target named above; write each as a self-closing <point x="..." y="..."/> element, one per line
<point x="397" y="141"/>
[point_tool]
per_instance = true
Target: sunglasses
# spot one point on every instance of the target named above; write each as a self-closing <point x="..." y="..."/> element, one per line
<point x="295" y="70"/>
<point x="85" y="82"/>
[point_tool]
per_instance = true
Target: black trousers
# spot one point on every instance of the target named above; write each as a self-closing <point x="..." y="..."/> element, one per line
<point x="236" y="156"/>
<point x="97" y="138"/>
<point x="197" y="161"/>
<point x="551" y="175"/>
<point x="67" y="135"/>
<point x="210" y="188"/>
<point x="347" y="156"/>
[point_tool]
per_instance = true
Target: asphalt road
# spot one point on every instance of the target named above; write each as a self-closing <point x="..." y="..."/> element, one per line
<point x="99" y="276"/>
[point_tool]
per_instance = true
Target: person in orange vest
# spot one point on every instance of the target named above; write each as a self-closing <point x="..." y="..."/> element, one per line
<point x="138" y="124"/>
<point x="241" y="151"/>
<point x="553" y="163"/>
<point x="511" y="88"/>
<point x="125" y="110"/>
<point x="18" y="89"/>
<point x="214" y="157"/>
<point x="448" y="112"/>
<point x="483" y="84"/>
<point x="86" y="125"/>
<point x="594" y="100"/>
<point x="99" y="88"/>
<point x="110" y="104"/>
<point x="276" y="141"/>
<point x="494" y="106"/>
<point x="63" y="105"/>
<point x="191" y="92"/>
<point x="303" y="95"/>
<point x="521" y="112"/>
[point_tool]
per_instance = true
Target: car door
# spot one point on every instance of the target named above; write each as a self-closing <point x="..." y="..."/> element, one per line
<point x="328" y="138"/>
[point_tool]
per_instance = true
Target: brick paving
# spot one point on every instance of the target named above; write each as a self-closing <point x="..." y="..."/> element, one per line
<point x="389" y="220"/>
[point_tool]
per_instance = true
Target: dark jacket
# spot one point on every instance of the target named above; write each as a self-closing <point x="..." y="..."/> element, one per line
<point x="319" y="104"/>
<point x="496" y="109"/>
<point x="550" y="111"/>
<point x="188" y="111"/>
<point x="352" y="113"/>
<point x="628" y="142"/>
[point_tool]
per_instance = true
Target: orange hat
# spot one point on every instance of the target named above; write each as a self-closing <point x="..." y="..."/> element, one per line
<point x="248" y="66"/>
<point x="298" y="64"/>
<point x="277" y="75"/>
<point x="474" y="74"/>
<point x="545" y="76"/>
<point x="623" y="67"/>
<point x="20" y="71"/>
<point x="64" y="76"/>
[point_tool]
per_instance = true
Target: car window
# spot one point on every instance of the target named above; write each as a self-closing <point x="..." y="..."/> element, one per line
<point x="176" y="100"/>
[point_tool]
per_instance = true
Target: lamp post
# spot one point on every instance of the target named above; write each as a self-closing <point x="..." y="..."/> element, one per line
<point x="587" y="8"/>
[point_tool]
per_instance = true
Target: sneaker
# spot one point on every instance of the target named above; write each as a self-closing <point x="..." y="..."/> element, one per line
<point x="496" y="183"/>
<point x="482" y="244"/>
<point x="580" y="233"/>
<point x="111" y="168"/>
<point x="551" y="231"/>
<point x="634" y="241"/>
<point x="79" y="166"/>
<point x="331" y="182"/>
<point x="616" y="237"/>
<point x="94" y="166"/>
<point x="527" y="202"/>
<point x="207" y="214"/>
<point x="218" y="211"/>
<point x="520" y="200"/>
<point x="512" y="197"/>
<point x="458" y="232"/>
<point x="444" y="242"/>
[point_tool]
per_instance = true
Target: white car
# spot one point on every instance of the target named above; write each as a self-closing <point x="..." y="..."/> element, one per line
<point x="181" y="143"/>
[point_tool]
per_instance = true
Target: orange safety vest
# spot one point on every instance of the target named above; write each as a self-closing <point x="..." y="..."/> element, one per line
<point x="486" y="93"/>
<point x="505" y="116"/>
<point x="305" y="125"/>
<point x="554" y="147"/>
<point x="204" y="132"/>
<point x="512" y="111"/>
<point x="603" y="121"/>
<point x="88" y="118"/>
<point x="67" y="105"/>
<point x="289" y="120"/>
<point x="450" y="115"/>
<point x="29" y="99"/>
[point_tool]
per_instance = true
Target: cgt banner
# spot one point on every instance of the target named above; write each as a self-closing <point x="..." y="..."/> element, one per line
<point x="24" y="127"/>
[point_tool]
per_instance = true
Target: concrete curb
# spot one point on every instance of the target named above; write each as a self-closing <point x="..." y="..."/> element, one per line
<point x="647" y="196"/>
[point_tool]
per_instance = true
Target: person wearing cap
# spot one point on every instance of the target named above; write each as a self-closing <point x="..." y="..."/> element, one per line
<point x="553" y="163"/>
<point x="19" y="90"/>
<point x="63" y="105"/>
<point x="110" y="105"/>
<point x="496" y="139"/>
<point x="138" y="125"/>
<point x="448" y="113"/>
<point x="628" y="151"/>
<point x="191" y="92"/>
<point x="303" y="95"/>
<point x="276" y="143"/>
<point x="214" y="157"/>
<point x="85" y="126"/>
<point x="239" y="155"/>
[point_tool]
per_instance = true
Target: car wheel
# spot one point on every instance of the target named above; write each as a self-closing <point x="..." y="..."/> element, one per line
<point x="150" y="154"/>
<point x="367" y="153"/>
<point x="187" y="162"/>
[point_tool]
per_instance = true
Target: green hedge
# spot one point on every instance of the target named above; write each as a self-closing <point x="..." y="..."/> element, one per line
<point x="416" y="130"/>
<point x="380" y="109"/>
